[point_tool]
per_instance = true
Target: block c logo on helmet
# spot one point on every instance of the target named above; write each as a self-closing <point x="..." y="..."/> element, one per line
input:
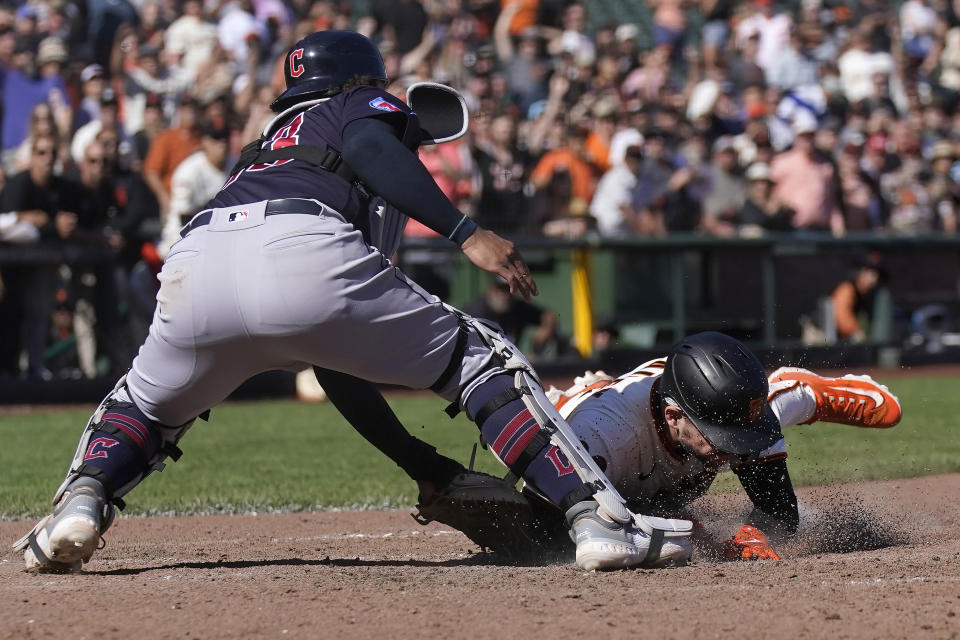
<point x="296" y="66"/>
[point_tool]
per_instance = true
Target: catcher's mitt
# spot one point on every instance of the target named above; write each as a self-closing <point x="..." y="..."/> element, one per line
<point x="488" y="510"/>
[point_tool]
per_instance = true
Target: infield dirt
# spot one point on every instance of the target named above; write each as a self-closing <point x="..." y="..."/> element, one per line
<point x="872" y="560"/>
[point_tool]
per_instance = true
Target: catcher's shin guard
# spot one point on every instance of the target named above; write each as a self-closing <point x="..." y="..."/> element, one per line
<point x="120" y="446"/>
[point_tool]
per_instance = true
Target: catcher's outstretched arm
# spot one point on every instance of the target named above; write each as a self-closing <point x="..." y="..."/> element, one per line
<point x="361" y="403"/>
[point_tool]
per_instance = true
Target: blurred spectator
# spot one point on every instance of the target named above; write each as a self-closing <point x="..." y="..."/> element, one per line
<point x="942" y="187"/>
<point x="33" y="79"/>
<point x="772" y="28"/>
<point x="42" y="123"/>
<point x="853" y="298"/>
<point x="108" y="117"/>
<point x="169" y="148"/>
<point x="563" y="182"/>
<point x="807" y="183"/>
<point x="515" y="316"/>
<point x="190" y="40"/>
<point x="195" y="181"/>
<point x="502" y="171"/>
<point x="92" y="84"/>
<point x="859" y="65"/>
<point x="612" y="203"/>
<point x="742" y="69"/>
<point x="38" y="189"/>
<point x="728" y="191"/>
<point x="664" y="197"/>
<point x="715" y="31"/>
<point x="399" y="22"/>
<point x="762" y="211"/>
<point x="863" y="205"/>
<point x="918" y="22"/>
<point x="152" y="124"/>
<point x="524" y="68"/>
<point x="794" y="66"/>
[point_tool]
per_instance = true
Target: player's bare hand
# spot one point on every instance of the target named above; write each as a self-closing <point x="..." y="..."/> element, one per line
<point x="497" y="255"/>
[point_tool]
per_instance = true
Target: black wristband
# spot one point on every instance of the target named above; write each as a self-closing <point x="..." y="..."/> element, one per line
<point x="463" y="230"/>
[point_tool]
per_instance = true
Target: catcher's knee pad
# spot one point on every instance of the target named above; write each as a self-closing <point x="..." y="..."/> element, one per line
<point x="120" y="446"/>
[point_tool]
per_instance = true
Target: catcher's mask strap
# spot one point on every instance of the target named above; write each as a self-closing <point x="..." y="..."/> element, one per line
<point x="442" y="111"/>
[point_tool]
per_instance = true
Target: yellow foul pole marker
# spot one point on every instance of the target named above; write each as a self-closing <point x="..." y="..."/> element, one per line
<point x="582" y="302"/>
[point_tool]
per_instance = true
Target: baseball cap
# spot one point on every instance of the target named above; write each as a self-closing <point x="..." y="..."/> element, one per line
<point x="758" y="171"/>
<point x="724" y="143"/>
<point x="51" y="50"/>
<point x="90" y="72"/>
<point x="108" y="96"/>
<point x="942" y="149"/>
<point x="217" y="132"/>
<point x="26" y="11"/>
<point x="626" y="32"/>
<point x="804" y="125"/>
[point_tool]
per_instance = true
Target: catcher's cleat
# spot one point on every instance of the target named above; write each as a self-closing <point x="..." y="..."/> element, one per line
<point x="488" y="510"/>
<point x="605" y="544"/>
<point x="855" y="400"/>
<point x="62" y="541"/>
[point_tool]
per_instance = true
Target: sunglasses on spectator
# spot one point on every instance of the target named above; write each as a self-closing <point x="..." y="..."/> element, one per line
<point x="94" y="160"/>
<point x="42" y="151"/>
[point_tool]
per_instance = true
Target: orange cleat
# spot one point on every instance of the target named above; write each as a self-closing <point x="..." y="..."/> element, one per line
<point x="860" y="401"/>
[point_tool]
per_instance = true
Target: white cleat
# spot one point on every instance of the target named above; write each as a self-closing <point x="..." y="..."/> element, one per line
<point x="605" y="544"/>
<point x="62" y="541"/>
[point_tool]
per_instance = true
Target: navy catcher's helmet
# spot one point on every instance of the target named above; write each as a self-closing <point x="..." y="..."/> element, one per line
<point x="722" y="388"/>
<point x="319" y="65"/>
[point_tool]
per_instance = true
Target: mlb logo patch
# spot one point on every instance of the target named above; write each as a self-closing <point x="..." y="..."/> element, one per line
<point x="237" y="216"/>
<point x="383" y="105"/>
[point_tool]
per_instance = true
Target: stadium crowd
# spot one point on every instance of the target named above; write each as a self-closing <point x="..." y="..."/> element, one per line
<point x="121" y="118"/>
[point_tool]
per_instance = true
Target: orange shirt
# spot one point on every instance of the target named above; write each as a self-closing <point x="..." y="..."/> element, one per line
<point x="845" y="309"/>
<point x="581" y="177"/>
<point x="526" y="16"/>
<point x="169" y="149"/>
<point x="598" y="150"/>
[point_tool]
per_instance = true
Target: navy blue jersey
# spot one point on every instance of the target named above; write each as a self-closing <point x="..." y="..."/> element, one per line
<point x="321" y="126"/>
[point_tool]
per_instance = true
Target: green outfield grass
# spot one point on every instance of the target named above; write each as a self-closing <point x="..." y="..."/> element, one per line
<point x="291" y="456"/>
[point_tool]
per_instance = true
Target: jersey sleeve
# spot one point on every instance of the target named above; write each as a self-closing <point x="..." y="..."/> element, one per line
<point x="769" y="487"/>
<point x="373" y="102"/>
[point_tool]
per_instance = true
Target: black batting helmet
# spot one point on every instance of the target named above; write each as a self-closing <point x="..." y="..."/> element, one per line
<point x="319" y="65"/>
<point x="722" y="388"/>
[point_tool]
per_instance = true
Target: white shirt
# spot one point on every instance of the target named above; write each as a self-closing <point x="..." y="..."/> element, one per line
<point x="192" y="38"/>
<point x="13" y="230"/>
<point x="774" y="32"/>
<point x="194" y="182"/>
<point x="857" y="69"/>
<point x="613" y="191"/>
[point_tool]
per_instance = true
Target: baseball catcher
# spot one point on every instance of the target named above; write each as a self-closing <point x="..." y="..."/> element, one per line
<point x="283" y="270"/>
